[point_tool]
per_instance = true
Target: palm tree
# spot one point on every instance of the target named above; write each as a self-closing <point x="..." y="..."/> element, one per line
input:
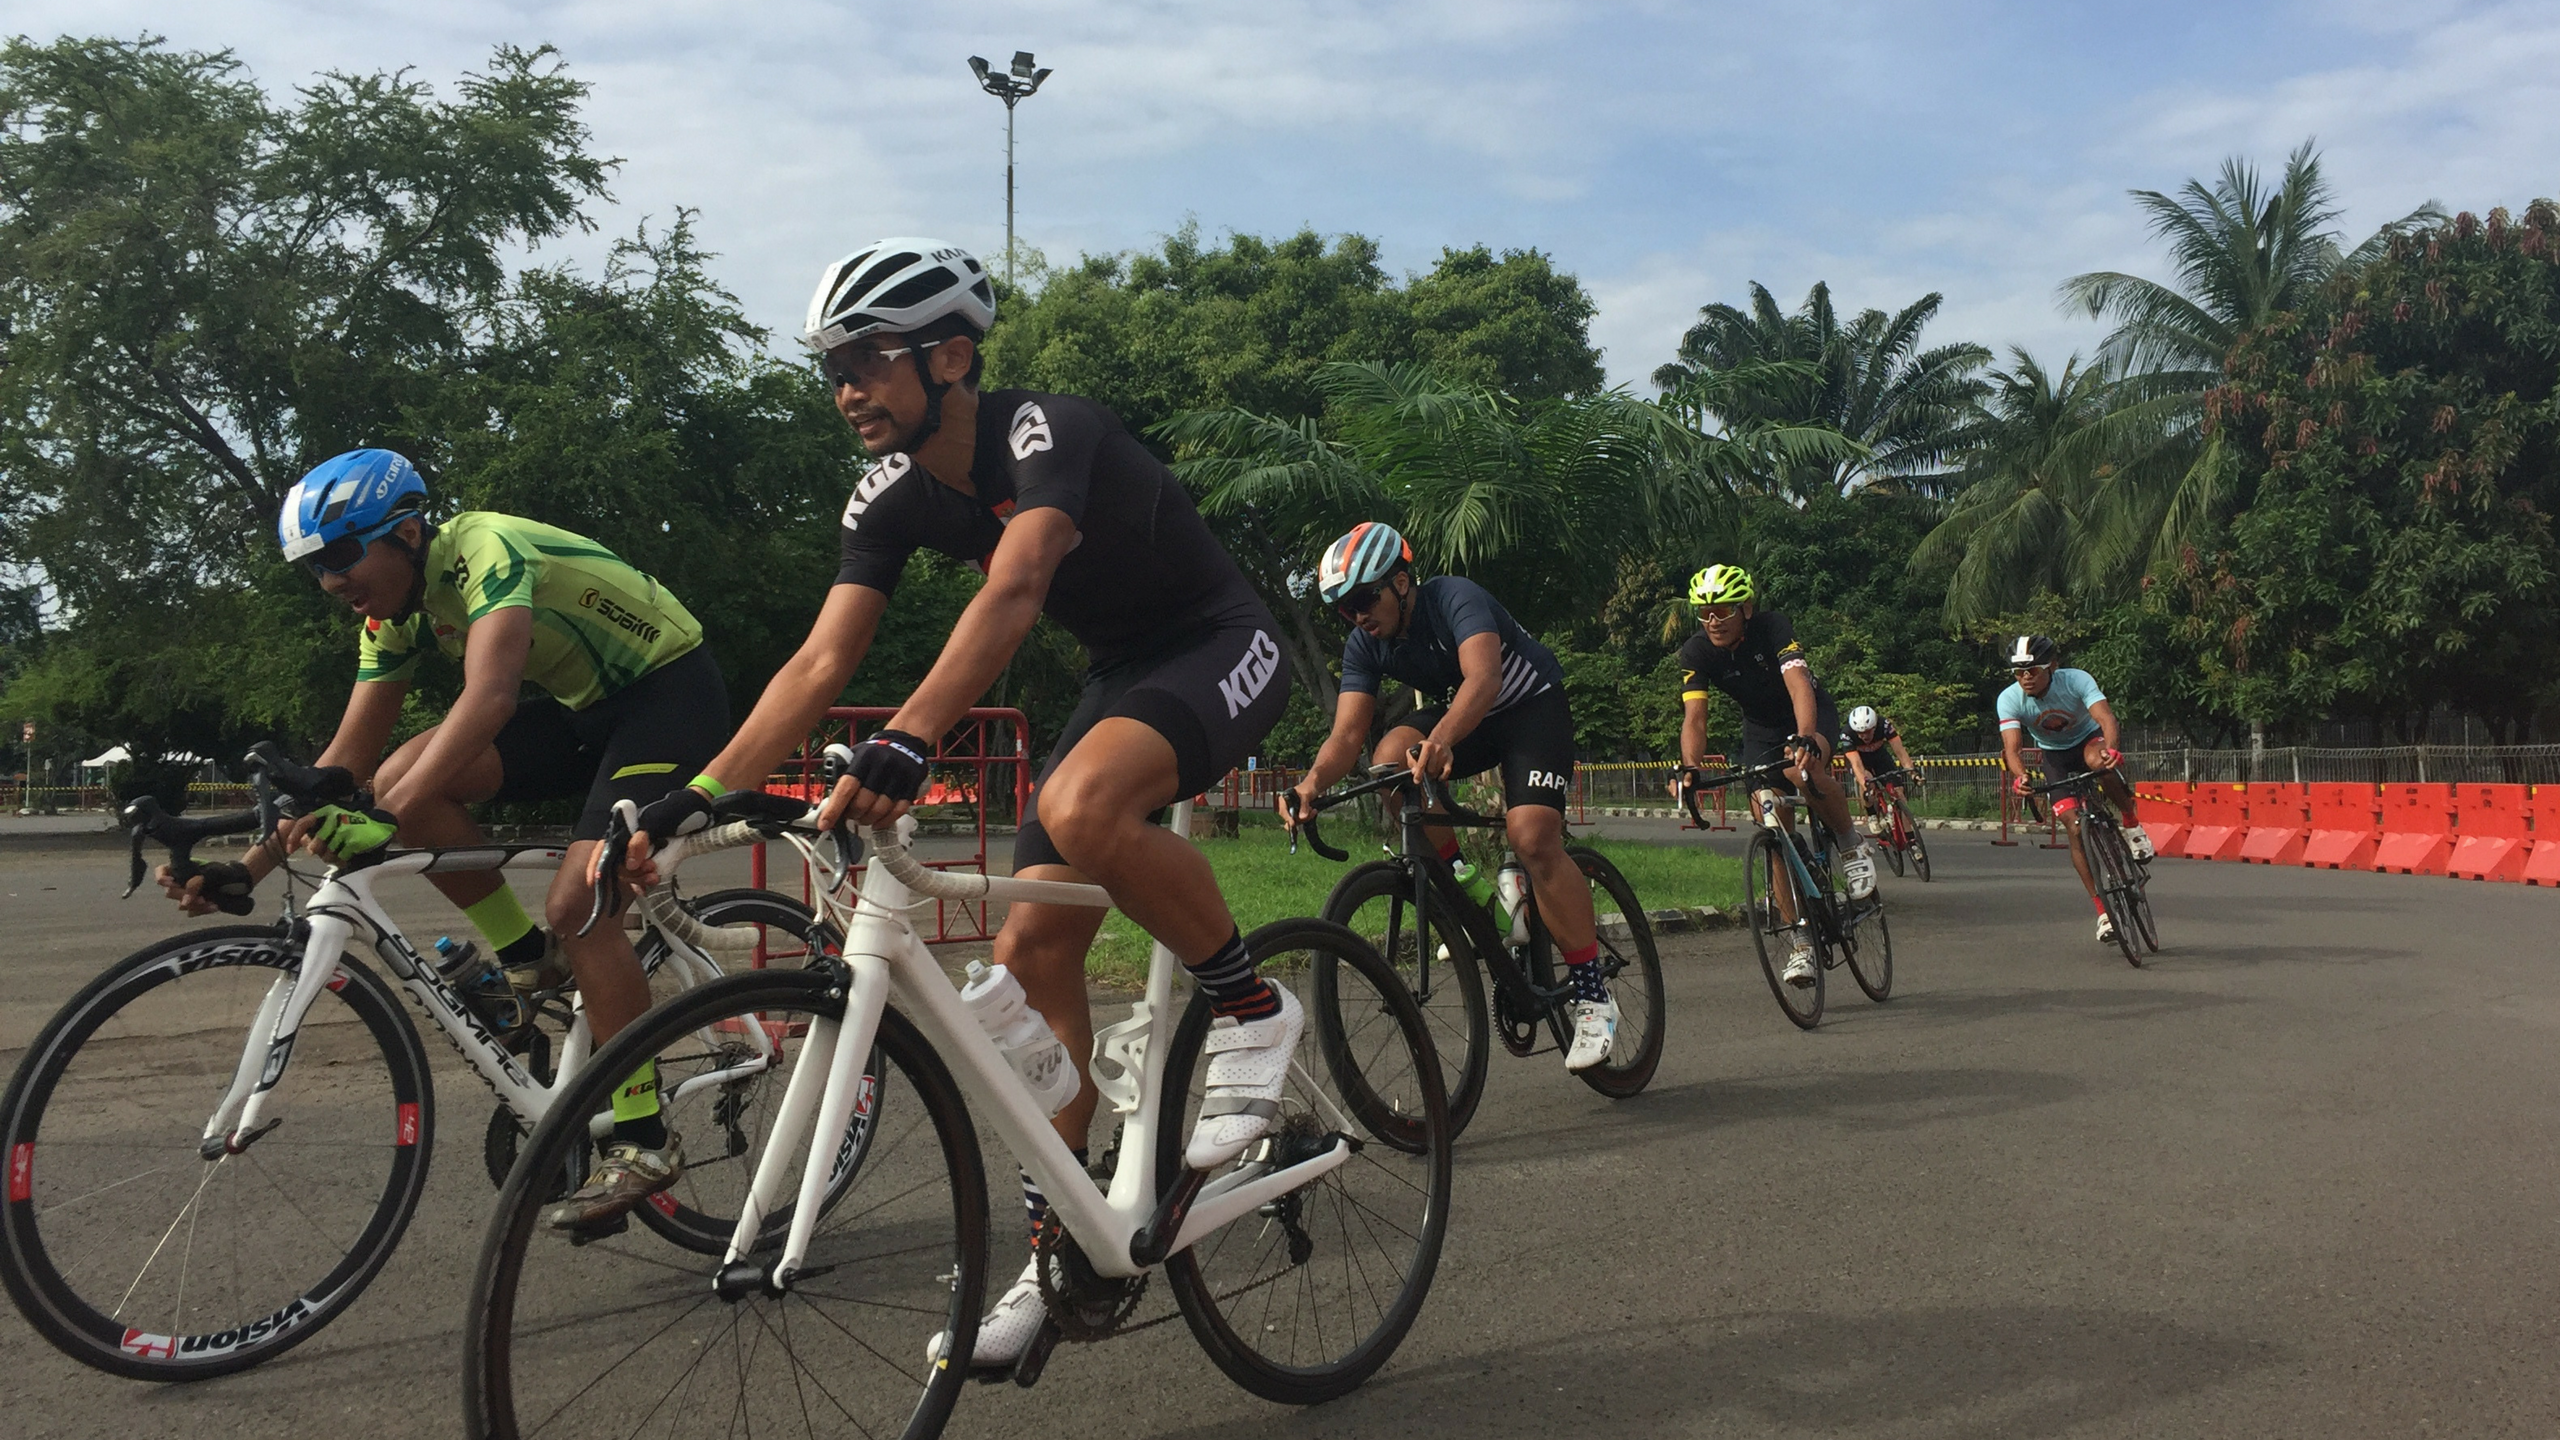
<point x="1908" y="410"/>
<point x="2244" y="254"/>
<point x="2040" y="501"/>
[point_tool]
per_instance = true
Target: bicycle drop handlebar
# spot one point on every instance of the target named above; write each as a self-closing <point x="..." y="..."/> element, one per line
<point x="283" y="789"/>
<point x="1387" y="776"/>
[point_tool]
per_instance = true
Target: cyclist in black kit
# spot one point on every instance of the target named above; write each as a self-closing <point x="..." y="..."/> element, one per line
<point x="1066" y="514"/>
<point x="1752" y="655"/>
<point x="1504" y="706"/>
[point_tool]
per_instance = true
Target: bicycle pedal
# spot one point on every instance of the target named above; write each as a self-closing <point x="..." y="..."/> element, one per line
<point x="1035" y="1356"/>
<point x="603" y="1230"/>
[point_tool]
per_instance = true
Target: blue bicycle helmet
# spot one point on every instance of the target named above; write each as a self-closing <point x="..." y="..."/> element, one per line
<point x="360" y="495"/>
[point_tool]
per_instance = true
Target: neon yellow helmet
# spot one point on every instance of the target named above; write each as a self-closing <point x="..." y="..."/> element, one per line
<point x="1721" y="585"/>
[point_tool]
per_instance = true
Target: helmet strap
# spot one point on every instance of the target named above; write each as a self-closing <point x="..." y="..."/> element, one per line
<point x="417" y="565"/>
<point x="934" y="390"/>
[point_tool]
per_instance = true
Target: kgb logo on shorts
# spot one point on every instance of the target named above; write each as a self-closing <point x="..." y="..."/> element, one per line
<point x="1030" y="431"/>
<point x="1244" y="684"/>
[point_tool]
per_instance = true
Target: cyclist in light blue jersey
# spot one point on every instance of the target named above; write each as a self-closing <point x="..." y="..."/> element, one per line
<point x="2075" y="730"/>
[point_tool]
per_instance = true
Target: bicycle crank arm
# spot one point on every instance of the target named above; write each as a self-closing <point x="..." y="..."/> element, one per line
<point x="1154" y="1240"/>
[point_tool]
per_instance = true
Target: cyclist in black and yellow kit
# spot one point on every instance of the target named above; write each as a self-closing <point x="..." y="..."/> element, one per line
<point x="633" y="703"/>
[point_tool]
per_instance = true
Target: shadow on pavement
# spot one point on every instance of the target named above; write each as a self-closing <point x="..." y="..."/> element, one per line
<point x="1953" y="1371"/>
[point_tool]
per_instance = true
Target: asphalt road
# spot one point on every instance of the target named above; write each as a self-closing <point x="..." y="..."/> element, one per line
<point x="2290" y="1180"/>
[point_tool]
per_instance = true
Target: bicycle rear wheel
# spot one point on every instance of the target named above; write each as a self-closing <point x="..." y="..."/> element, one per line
<point x="610" y="1337"/>
<point x="135" y="1254"/>
<point x="1763" y="866"/>
<point x="1376" y="902"/>
<point x="1628" y="963"/>
<point x="1305" y="1299"/>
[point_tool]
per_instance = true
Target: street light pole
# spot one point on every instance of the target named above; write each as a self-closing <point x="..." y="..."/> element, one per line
<point x="1020" y="84"/>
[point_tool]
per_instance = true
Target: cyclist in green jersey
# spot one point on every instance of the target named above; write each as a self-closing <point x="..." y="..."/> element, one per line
<point x="633" y="703"/>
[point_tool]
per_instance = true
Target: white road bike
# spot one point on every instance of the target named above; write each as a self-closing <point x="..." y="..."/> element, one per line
<point x="216" y="1145"/>
<point x="1299" y="1267"/>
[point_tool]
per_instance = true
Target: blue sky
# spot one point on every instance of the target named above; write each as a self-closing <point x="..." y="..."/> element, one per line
<point x="1667" y="154"/>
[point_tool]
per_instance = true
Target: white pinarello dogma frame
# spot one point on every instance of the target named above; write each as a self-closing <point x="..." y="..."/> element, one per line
<point x="886" y="959"/>
<point x="343" y="910"/>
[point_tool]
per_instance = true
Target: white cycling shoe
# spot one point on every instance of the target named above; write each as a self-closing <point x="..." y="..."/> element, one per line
<point x="2138" y="840"/>
<point x="1595" y="1025"/>
<point x="2106" y="929"/>
<point x="1800" y="971"/>
<point x="1248" y="1067"/>
<point x="1858" y="867"/>
<point x="1005" y="1332"/>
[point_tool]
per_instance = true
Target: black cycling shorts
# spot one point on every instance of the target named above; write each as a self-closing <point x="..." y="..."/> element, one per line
<point x="1532" y="742"/>
<point x="1767" y="744"/>
<point x="1212" y="694"/>
<point x="637" y="743"/>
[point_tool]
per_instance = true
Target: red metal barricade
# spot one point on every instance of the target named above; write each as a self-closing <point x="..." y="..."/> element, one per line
<point x="2417" y="829"/>
<point x="2490" y="842"/>
<point x="2279" y="824"/>
<point x="2346" y="826"/>
<point x="979" y="775"/>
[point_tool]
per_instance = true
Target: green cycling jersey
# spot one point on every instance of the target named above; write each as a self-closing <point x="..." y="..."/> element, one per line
<point x="598" y="624"/>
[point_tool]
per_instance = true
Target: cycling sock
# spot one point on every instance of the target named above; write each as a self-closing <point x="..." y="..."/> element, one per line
<point x="526" y="950"/>
<point x="635" y="1109"/>
<point x="502" y="920"/>
<point x="2099" y="901"/>
<point x="1033" y="1202"/>
<point x="1582" y="972"/>
<point x="1228" y="980"/>
<point x="1449" y="852"/>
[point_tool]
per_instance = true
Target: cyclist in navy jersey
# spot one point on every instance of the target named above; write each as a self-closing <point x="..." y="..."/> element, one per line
<point x="1502" y="704"/>
<point x="1066" y="514"/>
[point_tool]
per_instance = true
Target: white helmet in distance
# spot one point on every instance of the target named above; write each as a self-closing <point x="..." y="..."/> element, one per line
<point x="900" y="284"/>
<point x="1863" y="719"/>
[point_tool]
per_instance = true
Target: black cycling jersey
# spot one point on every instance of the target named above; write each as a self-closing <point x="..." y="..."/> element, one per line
<point x="1447" y="610"/>
<point x="1144" y="567"/>
<point x="1752" y="671"/>
<point x="1885" y="733"/>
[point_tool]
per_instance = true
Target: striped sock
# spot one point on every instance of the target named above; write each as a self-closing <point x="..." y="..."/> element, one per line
<point x="1228" y="980"/>
<point x="1582" y="972"/>
<point x="1033" y="1202"/>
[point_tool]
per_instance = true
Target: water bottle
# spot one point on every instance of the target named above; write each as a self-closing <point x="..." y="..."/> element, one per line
<point x="1477" y="885"/>
<point x="1511" y="884"/>
<point x="483" y="986"/>
<point x="458" y="961"/>
<point x="1024" y="1039"/>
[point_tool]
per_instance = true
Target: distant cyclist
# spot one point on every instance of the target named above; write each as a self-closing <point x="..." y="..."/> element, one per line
<point x="1501" y="704"/>
<point x="2075" y="730"/>
<point x="1067" y="515"/>
<point x="632" y="702"/>
<point x="1752" y="655"/>
<point x="1866" y="740"/>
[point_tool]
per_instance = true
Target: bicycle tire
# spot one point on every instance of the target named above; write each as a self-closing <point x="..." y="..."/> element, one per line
<point x="1893" y="842"/>
<point x="162" y="1061"/>
<point x="689" y="1214"/>
<point x="1460" y="1022"/>
<point x="1388" y="1195"/>
<point x="1919" y="846"/>
<point x="1761" y="862"/>
<point x="1629" y="1068"/>
<point x="549" y="1319"/>
<point x="2113" y="863"/>
<point x="1871" y="954"/>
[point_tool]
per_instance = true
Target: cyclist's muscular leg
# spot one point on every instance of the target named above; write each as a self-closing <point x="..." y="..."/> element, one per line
<point x="444" y="820"/>
<point x="1564" y="897"/>
<point x="2109" y="780"/>
<point x="608" y="969"/>
<point x="1392" y="750"/>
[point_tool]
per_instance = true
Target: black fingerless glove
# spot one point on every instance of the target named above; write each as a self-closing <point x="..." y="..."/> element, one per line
<point x="680" y="811"/>
<point x="227" y="884"/>
<point x="890" y="763"/>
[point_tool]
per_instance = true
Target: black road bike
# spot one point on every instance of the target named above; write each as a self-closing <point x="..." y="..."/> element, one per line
<point x="1441" y="942"/>
<point x="2124" y="883"/>
<point x="1839" y="928"/>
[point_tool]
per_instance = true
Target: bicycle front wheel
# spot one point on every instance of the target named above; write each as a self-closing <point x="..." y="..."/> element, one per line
<point x="1919" y="845"/>
<point x="1304" y="1299"/>
<point x="1894" y="830"/>
<point x="1870" y="947"/>
<point x="601" y="1334"/>
<point x="1630" y="965"/>
<point x="2113" y="862"/>
<point x="1430" y="952"/>
<point x="1764" y="868"/>
<point x="134" y="1253"/>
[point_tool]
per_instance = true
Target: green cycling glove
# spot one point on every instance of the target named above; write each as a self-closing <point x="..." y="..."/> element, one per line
<point x="349" y="834"/>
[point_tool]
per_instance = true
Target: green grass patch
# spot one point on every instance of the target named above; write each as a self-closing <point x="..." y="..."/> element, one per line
<point x="1263" y="882"/>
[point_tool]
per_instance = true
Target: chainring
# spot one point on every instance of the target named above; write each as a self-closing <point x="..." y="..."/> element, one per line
<point x="1085" y="1305"/>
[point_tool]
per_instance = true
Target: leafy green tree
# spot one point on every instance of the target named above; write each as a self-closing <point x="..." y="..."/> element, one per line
<point x="1907" y="410"/>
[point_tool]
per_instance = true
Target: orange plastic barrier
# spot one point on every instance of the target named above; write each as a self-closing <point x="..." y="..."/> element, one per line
<point x="2346" y="826"/>
<point x="2542" y="867"/>
<point x="2417" y="829"/>
<point x="2279" y="824"/>
<point x="2491" y="841"/>
<point x="2219" y="815"/>
<point x="2161" y="806"/>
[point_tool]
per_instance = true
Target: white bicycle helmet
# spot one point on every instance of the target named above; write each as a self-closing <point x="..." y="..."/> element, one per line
<point x="900" y="284"/>
<point x="1863" y="719"/>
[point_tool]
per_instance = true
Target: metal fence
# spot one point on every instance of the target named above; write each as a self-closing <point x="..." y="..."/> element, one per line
<point x="2383" y="765"/>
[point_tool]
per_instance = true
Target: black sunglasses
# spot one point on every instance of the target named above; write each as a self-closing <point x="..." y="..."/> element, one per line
<point x="338" y="556"/>
<point x="863" y="367"/>
<point x="1357" y="602"/>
